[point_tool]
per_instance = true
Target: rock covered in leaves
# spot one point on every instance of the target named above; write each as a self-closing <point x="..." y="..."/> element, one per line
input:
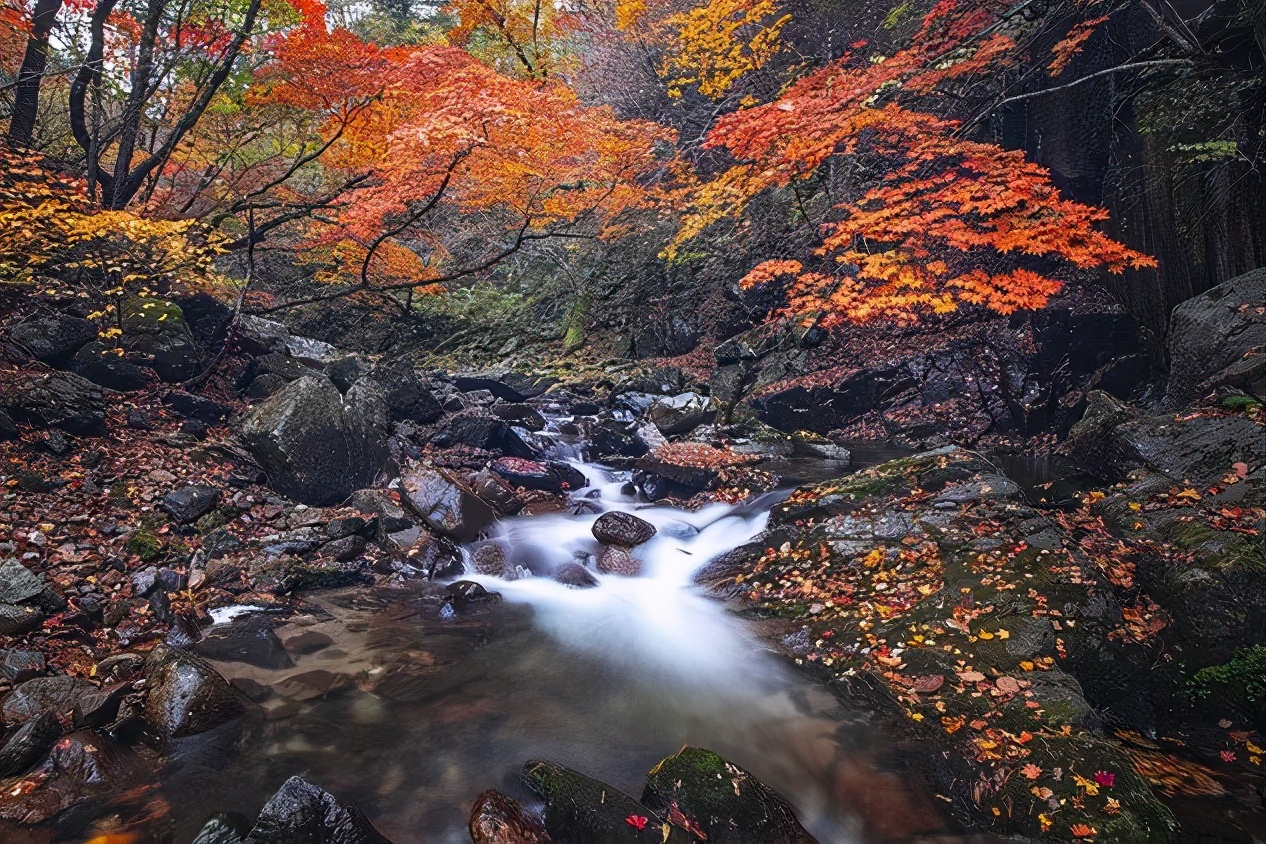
<point x="720" y="802"/>
<point x="313" y="447"/>
<point x="933" y="578"/>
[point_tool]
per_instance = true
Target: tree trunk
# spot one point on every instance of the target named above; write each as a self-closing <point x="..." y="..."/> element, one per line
<point x="26" y="92"/>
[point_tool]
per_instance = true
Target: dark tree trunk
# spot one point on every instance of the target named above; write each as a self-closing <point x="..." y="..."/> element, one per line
<point x="26" y="93"/>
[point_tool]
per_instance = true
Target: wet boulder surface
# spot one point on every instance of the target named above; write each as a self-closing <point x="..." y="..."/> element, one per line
<point x="185" y="696"/>
<point x="497" y="818"/>
<point x="579" y="808"/>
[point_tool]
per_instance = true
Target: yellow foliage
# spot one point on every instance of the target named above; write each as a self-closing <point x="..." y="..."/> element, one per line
<point x="718" y="42"/>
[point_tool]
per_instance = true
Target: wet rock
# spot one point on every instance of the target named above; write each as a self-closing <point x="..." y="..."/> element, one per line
<point x="547" y="476"/>
<point x="98" y="708"/>
<point x="223" y="828"/>
<point x="1113" y="440"/>
<point x="461" y="594"/>
<point x="313" y="447"/>
<point x="18" y="666"/>
<point x="575" y="575"/>
<point x="55" y="400"/>
<point x="1219" y="338"/>
<point x="307" y="642"/>
<point x="578" y="808"/>
<point x="474" y="428"/>
<point x="680" y="414"/>
<point x="189" y="503"/>
<point x="81" y="767"/>
<point x="284" y="574"/>
<point x="344" y="550"/>
<point x="523" y="415"/>
<point x="613" y="559"/>
<point x="380" y="503"/>
<point x="445" y="505"/>
<point x="720" y="802"/>
<point x="302" y="813"/>
<point x="28" y="744"/>
<point x="607" y="438"/>
<point x="619" y="528"/>
<point x="489" y="558"/>
<point x="101" y="365"/>
<point x="423" y="554"/>
<point x="53" y="338"/>
<point x="248" y="639"/>
<point x="494" y="489"/>
<point x="185" y="696"/>
<point x="58" y="695"/>
<point x="497" y="818"/>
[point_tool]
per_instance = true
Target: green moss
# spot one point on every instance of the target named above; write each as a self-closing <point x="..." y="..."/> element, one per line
<point x="1241" y="680"/>
<point x="144" y="315"/>
<point x="145" y="545"/>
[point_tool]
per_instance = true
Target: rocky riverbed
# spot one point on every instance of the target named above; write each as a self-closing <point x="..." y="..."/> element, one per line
<point x="314" y="575"/>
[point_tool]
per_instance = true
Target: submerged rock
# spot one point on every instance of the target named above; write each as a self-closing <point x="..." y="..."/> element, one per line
<point x="82" y="767"/>
<point x="575" y="575"/>
<point x="720" y="802"/>
<point x="497" y="818"/>
<point x="613" y="559"/>
<point x="28" y="744"/>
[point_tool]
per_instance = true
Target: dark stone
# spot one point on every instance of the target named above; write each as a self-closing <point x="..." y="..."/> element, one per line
<point x="101" y="365"/>
<point x="344" y="372"/>
<point x="224" y="828"/>
<point x="422" y="553"/>
<point x="33" y="698"/>
<point x="285" y="574"/>
<point x="18" y="666"/>
<point x="197" y="407"/>
<point x="523" y="415"/>
<point x="189" y="503"/>
<point x="721" y="801"/>
<point x="341" y="528"/>
<point x="99" y="708"/>
<point x="248" y="639"/>
<point x="344" y="550"/>
<point x="680" y="414"/>
<point x="1211" y="335"/>
<point x="475" y="428"/>
<point x="620" y="528"/>
<point x="167" y="347"/>
<point x="56" y="400"/>
<point x="54" y="443"/>
<point x="445" y="505"/>
<point x="207" y="317"/>
<point x="81" y="767"/>
<point x="497" y="818"/>
<point x="575" y="575"/>
<point x="509" y="387"/>
<point x="185" y="696"/>
<point x="1113" y="440"/>
<point x="302" y="813"/>
<point x="18" y="584"/>
<point x="274" y="369"/>
<point x="8" y="429"/>
<point x="53" y="338"/>
<point x="28" y="744"/>
<point x="138" y="420"/>
<point x="497" y="492"/>
<point x="16" y="619"/>
<point x="551" y="476"/>
<point x="461" y="594"/>
<point x="613" y="559"/>
<point x="307" y="642"/>
<point x="578" y="808"/>
<point x="607" y="438"/>
<point x="312" y="447"/>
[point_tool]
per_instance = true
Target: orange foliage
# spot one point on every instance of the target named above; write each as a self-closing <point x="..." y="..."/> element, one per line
<point x="949" y="222"/>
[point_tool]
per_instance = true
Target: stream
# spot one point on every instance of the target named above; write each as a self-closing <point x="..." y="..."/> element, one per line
<point x="408" y="710"/>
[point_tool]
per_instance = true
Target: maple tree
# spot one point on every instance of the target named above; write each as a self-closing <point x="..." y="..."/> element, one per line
<point x="946" y="221"/>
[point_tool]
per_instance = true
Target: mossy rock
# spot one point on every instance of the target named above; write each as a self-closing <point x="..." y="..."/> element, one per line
<point x="145" y="545"/>
<point x="150" y="315"/>
<point x="581" y="809"/>
<point x="698" y="789"/>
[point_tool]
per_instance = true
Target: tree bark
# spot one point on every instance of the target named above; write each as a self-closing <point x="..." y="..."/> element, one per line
<point x="26" y="93"/>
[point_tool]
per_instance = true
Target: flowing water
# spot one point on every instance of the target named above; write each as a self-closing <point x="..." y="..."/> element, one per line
<point x="409" y="714"/>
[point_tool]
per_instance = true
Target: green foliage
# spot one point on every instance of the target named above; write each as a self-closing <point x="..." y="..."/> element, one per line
<point x="145" y="545"/>
<point x="1240" y="681"/>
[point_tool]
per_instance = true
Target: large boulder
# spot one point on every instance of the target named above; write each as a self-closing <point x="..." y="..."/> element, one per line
<point x="1113" y="440"/>
<point x="444" y="503"/>
<point x="53" y="338"/>
<point x="302" y="813"/>
<point x="620" y="528"/>
<point x="185" y="696"/>
<point x="720" y="802"/>
<point x="314" y="447"/>
<point x="1219" y="337"/>
<point x="55" y="400"/>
